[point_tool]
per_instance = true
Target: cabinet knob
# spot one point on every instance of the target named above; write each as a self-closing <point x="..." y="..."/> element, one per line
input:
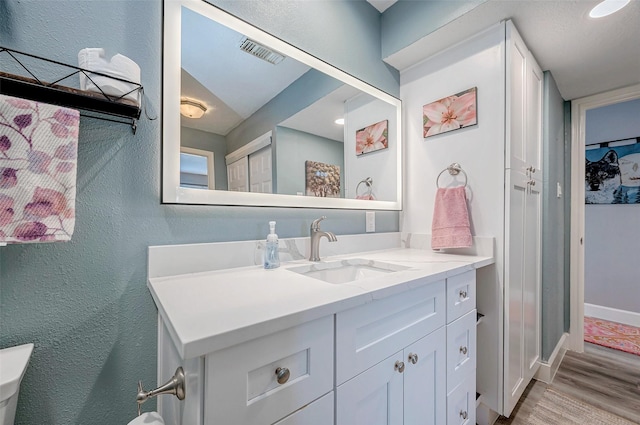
<point x="463" y="350"/>
<point x="399" y="366"/>
<point x="463" y="414"/>
<point x="413" y="358"/>
<point x="463" y="294"/>
<point x="533" y="182"/>
<point x="282" y="375"/>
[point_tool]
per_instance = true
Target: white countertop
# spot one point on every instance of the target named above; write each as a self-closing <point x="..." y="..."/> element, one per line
<point x="212" y="310"/>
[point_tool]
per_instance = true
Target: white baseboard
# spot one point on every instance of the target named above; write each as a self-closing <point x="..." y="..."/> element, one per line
<point x="548" y="369"/>
<point x="614" y="315"/>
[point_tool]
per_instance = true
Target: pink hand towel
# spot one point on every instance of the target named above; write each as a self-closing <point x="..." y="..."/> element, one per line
<point x="38" y="158"/>
<point x="450" y="227"/>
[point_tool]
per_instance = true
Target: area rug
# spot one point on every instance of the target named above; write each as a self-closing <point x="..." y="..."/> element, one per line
<point x="555" y="408"/>
<point x="613" y="335"/>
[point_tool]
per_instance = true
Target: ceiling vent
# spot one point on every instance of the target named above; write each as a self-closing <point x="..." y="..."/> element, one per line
<point x="258" y="50"/>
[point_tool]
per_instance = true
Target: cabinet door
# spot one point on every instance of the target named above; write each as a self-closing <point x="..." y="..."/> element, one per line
<point x="425" y="380"/>
<point x="374" y="397"/>
<point x="516" y="95"/>
<point x="320" y="412"/>
<point x="522" y="286"/>
<point x="533" y="122"/>
<point x="524" y="107"/>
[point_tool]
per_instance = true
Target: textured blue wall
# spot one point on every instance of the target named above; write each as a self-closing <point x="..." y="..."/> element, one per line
<point x="553" y="255"/>
<point x="85" y="303"/>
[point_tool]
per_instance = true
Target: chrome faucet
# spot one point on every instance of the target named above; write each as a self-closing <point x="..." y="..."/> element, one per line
<point x="316" y="234"/>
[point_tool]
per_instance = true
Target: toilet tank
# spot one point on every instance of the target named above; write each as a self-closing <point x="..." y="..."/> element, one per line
<point x="13" y="364"/>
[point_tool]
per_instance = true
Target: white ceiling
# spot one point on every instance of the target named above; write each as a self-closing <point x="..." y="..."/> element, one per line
<point x="585" y="56"/>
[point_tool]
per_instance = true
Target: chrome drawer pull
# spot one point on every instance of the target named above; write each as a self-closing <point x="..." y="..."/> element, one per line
<point x="463" y="414"/>
<point x="413" y="358"/>
<point x="463" y="294"/>
<point x="399" y="366"/>
<point x="282" y="375"/>
<point x="463" y="350"/>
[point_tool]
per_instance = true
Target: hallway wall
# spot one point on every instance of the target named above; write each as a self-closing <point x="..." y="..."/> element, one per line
<point x="612" y="232"/>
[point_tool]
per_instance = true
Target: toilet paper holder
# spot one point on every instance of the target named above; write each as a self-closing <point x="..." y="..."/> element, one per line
<point x="174" y="386"/>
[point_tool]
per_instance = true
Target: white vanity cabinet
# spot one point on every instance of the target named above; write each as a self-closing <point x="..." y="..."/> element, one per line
<point x="400" y="352"/>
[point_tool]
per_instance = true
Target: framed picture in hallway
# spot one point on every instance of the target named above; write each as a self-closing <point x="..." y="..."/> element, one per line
<point x="450" y="113"/>
<point x="612" y="172"/>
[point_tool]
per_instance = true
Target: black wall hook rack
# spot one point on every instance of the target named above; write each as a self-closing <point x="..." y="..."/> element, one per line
<point x="99" y="105"/>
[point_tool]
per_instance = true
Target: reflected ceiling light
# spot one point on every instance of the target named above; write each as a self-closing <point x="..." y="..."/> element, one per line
<point x="607" y="7"/>
<point x="339" y="121"/>
<point x="192" y="109"/>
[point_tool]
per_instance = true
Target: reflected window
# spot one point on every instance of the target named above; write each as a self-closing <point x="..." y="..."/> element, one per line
<point x="196" y="169"/>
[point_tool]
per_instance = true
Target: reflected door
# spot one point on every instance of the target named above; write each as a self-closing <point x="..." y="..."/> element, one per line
<point x="260" y="171"/>
<point x="238" y="175"/>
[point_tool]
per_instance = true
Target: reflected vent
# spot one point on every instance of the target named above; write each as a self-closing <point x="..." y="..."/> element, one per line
<point x="258" y="50"/>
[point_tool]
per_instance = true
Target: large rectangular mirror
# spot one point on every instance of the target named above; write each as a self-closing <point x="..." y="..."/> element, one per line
<point x="283" y="127"/>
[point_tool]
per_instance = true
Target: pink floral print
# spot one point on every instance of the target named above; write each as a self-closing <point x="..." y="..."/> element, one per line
<point x="38" y="152"/>
<point x="450" y="113"/>
<point x="372" y="138"/>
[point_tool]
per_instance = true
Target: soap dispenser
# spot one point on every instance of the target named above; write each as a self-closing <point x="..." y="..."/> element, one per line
<point x="271" y="254"/>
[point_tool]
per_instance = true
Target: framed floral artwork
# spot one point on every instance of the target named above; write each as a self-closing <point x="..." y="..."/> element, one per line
<point x="450" y="113"/>
<point x="372" y="138"/>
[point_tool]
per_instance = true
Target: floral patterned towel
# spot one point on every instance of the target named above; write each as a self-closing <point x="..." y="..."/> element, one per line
<point x="38" y="152"/>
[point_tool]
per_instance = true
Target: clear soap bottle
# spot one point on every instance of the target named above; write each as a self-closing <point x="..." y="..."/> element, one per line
<point x="271" y="254"/>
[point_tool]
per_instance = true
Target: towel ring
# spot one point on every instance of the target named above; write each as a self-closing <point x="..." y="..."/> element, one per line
<point x="369" y="189"/>
<point x="453" y="169"/>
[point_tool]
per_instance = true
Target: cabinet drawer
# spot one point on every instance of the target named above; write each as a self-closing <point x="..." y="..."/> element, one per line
<point x="241" y="385"/>
<point x="461" y="403"/>
<point x="461" y="349"/>
<point x="369" y="334"/>
<point x="461" y="295"/>
<point x="320" y="412"/>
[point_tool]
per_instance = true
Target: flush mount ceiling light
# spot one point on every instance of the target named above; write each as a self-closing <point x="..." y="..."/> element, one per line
<point x="607" y="7"/>
<point x="192" y="109"/>
<point x="339" y="121"/>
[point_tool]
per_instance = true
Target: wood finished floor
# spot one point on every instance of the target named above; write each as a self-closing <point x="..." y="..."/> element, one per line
<point x="604" y="378"/>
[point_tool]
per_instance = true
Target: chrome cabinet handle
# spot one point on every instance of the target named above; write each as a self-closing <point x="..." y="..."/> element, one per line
<point x="463" y="294"/>
<point x="413" y="358"/>
<point x="399" y="366"/>
<point x="282" y="375"/>
<point x="463" y="414"/>
<point x="463" y="350"/>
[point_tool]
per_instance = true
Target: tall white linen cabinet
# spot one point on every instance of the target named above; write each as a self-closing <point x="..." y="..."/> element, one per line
<point x="502" y="157"/>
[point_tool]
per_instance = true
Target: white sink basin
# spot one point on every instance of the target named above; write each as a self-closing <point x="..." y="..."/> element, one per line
<point x="345" y="271"/>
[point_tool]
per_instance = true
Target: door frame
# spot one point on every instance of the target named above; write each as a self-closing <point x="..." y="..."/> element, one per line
<point x="579" y="109"/>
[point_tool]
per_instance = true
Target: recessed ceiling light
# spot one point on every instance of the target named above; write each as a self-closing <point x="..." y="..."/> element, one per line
<point x="339" y="121"/>
<point x="607" y="7"/>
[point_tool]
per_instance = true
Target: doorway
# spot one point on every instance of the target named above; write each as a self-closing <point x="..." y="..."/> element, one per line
<point x="579" y="108"/>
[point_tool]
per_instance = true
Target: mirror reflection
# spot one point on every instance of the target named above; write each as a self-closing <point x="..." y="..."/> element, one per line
<point x="274" y="124"/>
